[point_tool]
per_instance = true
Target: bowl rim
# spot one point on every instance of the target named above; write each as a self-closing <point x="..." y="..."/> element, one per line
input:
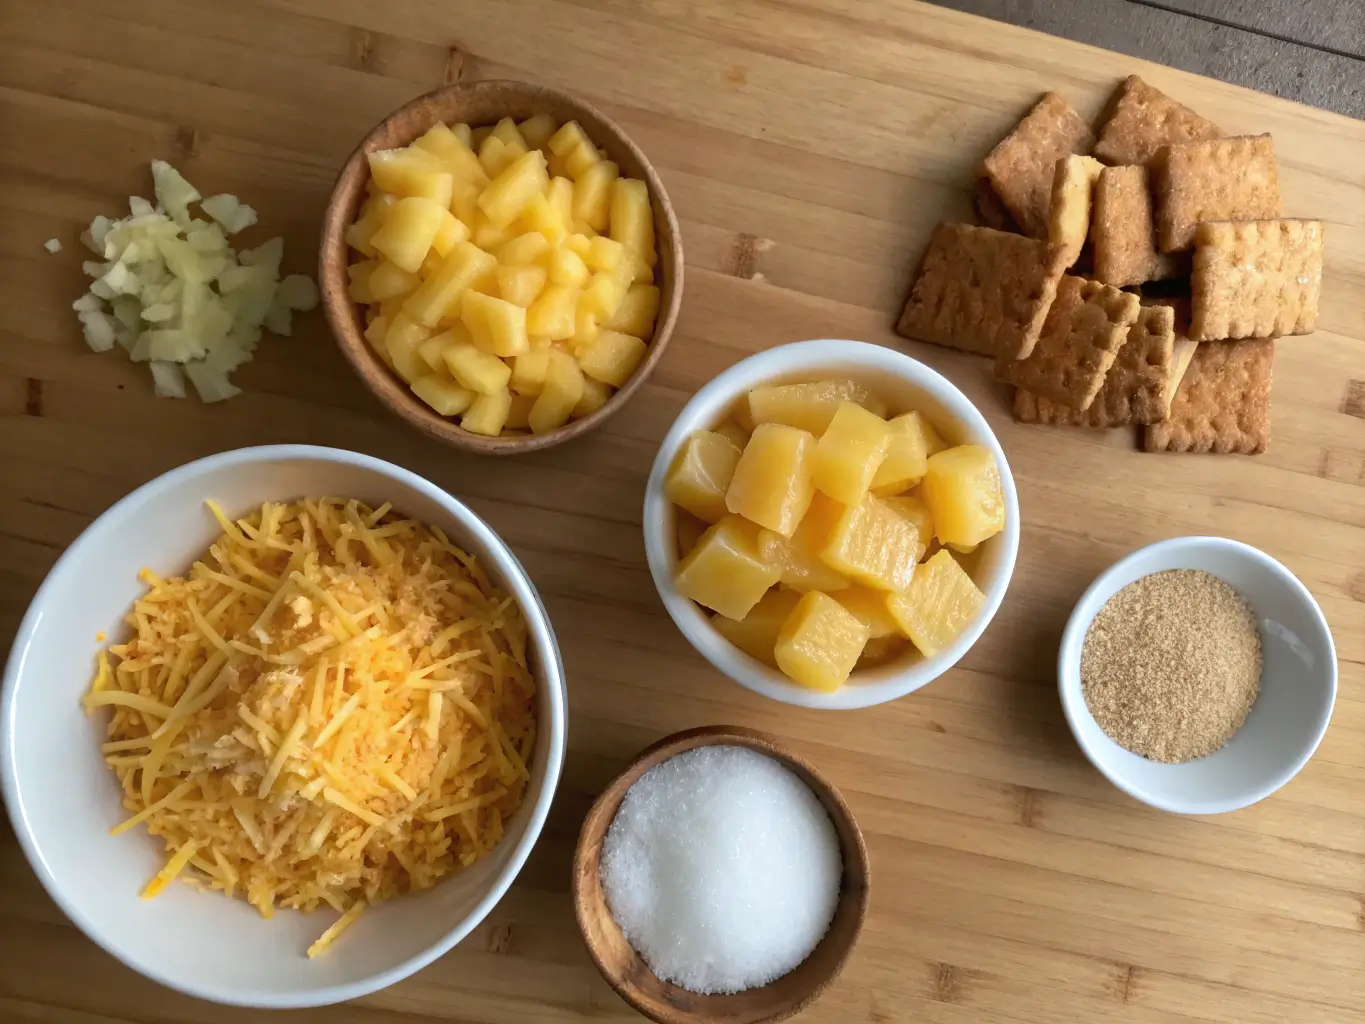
<point x="396" y="397"/>
<point x="518" y="581"/>
<point x="726" y="388"/>
<point x="1069" y="677"/>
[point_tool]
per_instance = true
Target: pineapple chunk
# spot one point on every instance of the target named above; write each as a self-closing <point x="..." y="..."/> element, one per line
<point x="701" y="475"/>
<point x="559" y="194"/>
<point x="773" y="485"/>
<point x="756" y="633"/>
<point x="527" y="248"/>
<point x="799" y="556"/>
<point x="882" y="650"/>
<point x="496" y="325"/>
<point x="358" y="280"/>
<point x="496" y="155"/>
<point x="592" y="194"/>
<point x="595" y="395"/>
<point x="568" y="268"/>
<point x="603" y="253"/>
<point x="736" y="433"/>
<point x="962" y="491"/>
<point x="521" y="284"/>
<point x="579" y="244"/>
<point x="606" y="292"/>
<point x="632" y="220"/>
<point x="507" y="131"/>
<point x="412" y="172"/>
<point x="476" y="369"/>
<point x="871" y="606"/>
<point x="820" y="643"/>
<point x="488" y="412"/>
<point x="529" y="369"/>
<point x="464" y="133"/>
<point x="907" y="454"/>
<point x="585" y="327"/>
<point x="940" y="602"/>
<point x="552" y="314"/>
<point x="509" y="193"/>
<point x="452" y="230"/>
<point x="453" y="153"/>
<point x="403" y="340"/>
<point x="537" y="129"/>
<point x="408" y="232"/>
<point x="809" y="406"/>
<point x="611" y="357"/>
<point x="563" y="388"/>
<point x="543" y="216"/>
<point x="690" y="530"/>
<point x="464" y="202"/>
<point x="519" y="412"/>
<point x="389" y="281"/>
<point x="439" y="295"/>
<point x="372" y="216"/>
<point x="569" y="137"/>
<point x="433" y="350"/>
<point x="637" y="312"/>
<point x="374" y="334"/>
<point x="849" y="453"/>
<point x="580" y="161"/>
<point x="874" y="544"/>
<point x="917" y="513"/>
<point x="489" y="237"/>
<point x="442" y="394"/>
<point x="725" y="572"/>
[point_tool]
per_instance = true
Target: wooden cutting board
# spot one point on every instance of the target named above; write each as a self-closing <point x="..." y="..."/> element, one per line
<point x="809" y="146"/>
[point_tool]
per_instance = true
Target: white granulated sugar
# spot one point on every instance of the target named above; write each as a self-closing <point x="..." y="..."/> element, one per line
<point x="722" y="869"/>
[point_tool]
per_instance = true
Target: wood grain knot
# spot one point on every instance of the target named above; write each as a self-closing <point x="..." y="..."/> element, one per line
<point x="33" y="397"/>
<point x="500" y="939"/>
<point x="362" y="48"/>
<point x="1356" y="588"/>
<point x="1353" y="404"/>
<point x="186" y="140"/>
<point x="455" y="67"/>
<point x="744" y="254"/>
<point x="945" y="984"/>
<point x="1127" y="978"/>
<point x="1028" y="807"/>
<point x="737" y="76"/>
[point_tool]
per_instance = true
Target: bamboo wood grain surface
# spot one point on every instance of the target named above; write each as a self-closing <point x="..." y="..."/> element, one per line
<point x="809" y="146"/>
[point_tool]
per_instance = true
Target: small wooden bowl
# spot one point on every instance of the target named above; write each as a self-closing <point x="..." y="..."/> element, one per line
<point x="479" y="103"/>
<point x="666" y="1003"/>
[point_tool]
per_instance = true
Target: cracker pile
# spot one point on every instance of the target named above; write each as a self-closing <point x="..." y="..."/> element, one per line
<point x="1133" y="278"/>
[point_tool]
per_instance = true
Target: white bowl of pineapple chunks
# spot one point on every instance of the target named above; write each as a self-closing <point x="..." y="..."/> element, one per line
<point x="831" y="524"/>
<point x="501" y="265"/>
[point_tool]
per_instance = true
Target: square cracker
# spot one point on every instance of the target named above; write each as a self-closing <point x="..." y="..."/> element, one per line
<point x="1122" y="231"/>
<point x="1073" y="192"/>
<point x="989" y="209"/>
<point x="980" y="290"/>
<point x="1022" y="167"/>
<point x="1217" y="179"/>
<point x="1256" y="279"/>
<point x="1223" y="404"/>
<point x="1143" y="120"/>
<point x="1085" y="328"/>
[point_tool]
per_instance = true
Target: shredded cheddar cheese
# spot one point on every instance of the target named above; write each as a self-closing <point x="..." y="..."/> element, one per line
<point x="331" y="709"/>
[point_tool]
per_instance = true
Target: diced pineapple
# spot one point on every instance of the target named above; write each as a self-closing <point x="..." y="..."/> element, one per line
<point x="632" y="220"/>
<point x="559" y="194"/>
<point x="882" y="650"/>
<point x="916" y="513"/>
<point x="849" y="452"/>
<point x="488" y="412"/>
<point x="756" y="633"/>
<point x="496" y="155"/>
<point x="907" y="454"/>
<point x="497" y="326"/>
<point x="773" y="484"/>
<point x="725" y="572"/>
<point x="524" y="249"/>
<point x="509" y="193"/>
<point x="870" y="606"/>
<point x="443" y="394"/>
<point x="569" y="136"/>
<point x="477" y="135"/>
<point x="578" y="244"/>
<point x="440" y="294"/>
<point x="820" y="642"/>
<point x="464" y="202"/>
<point x="372" y="216"/>
<point x="736" y="433"/>
<point x="592" y="194"/>
<point x="552" y="314"/>
<point x="585" y="327"/>
<point x="962" y="490"/>
<point x="519" y="412"/>
<point x="637" y="312"/>
<point x="403" y="340"/>
<point x="529" y="369"/>
<point x="537" y="129"/>
<point x="452" y="230"/>
<point x="611" y="357"/>
<point x="453" y="153"/>
<point x="476" y="369"/>
<point x="810" y="406"/>
<point x="799" y="556"/>
<point x="507" y="131"/>
<point x="701" y="475"/>
<point x="411" y="172"/>
<point x="940" y="602"/>
<point x="567" y="267"/>
<point x="604" y="253"/>
<point x="433" y="351"/>
<point x="489" y="237"/>
<point x="358" y="280"/>
<point x="541" y="215"/>
<point x="408" y="232"/>
<point x="463" y="133"/>
<point x="605" y="293"/>
<point x="374" y="334"/>
<point x="595" y="395"/>
<point x="388" y="281"/>
<point x="562" y="391"/>
<point x="874" y="544"/>
<point x="521" y="284"/>
<point x="690" y="530"/>
<point x="580" y="161"/>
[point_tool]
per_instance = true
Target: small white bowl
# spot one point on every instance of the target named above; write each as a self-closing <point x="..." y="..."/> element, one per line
<point x="1298" y="683"/>
<point x="63" y="799"/>
<point x="908" y="384"/>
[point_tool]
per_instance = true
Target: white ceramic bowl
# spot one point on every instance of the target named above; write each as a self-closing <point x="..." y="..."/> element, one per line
<point x="63" y="800"/>
<point x="907" y="384"/>
<point x="1298" y="682"/>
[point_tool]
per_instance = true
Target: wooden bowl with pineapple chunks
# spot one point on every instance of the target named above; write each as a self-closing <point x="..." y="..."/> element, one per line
<point x="476" y="393"/>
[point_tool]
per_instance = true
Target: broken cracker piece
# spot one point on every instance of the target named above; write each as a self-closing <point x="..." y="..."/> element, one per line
<point x="980" y="290"/>
<point x="1022" y="167"/>
<point x="1122" y="233"/>
<point x="989" y="209"/>
<point x="1216" y="179"/>
<point x="1182" y="349"/>
<point x="1144" y="119"/>
<point x="1223" y="404"/>
<point x="1073" y="191"/>
<point x="1084" y="329"/>
<point x="1256" y="279"/>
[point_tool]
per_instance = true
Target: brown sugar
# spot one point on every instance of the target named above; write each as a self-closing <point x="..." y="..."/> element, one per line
<point x="1171" y="665"/>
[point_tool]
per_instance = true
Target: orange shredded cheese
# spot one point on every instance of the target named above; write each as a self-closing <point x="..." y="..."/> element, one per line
<point x="332" y="708"/>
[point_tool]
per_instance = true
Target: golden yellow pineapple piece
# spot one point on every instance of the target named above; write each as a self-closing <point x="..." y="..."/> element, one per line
<point x="736" y="433"/>
<point x="910" y="506"/>
<point x="372" y="216"/>
<point x="529" y="369"/>
<point x="913" y="439"/>
<point x="567" y="267"/>
<point x="875" y="545"/>
<point x="637" y="311"/>
<point x="453" y="153"/>
<point x="545" y="217"/>
<point x="962" y="490"/>
<point x="377" y="280"/>
<point x="488" y="413"/>
<point x="519" y="412"/>
<point x="881" y="650"/>
<point x="510" y="192"/>
<point x="701" y="474"/>
<point x="567" y="138"/>
<point x="443" y="394"/>
<point x="411" y="172"/>
<point x="476" y="369"/>
<point x="690" y="530"/>
<point x="611" y="357"/>
<point x="537" y="129"/>
<point x="521" y="285"/>
<point x="527" y="248"/>
<point x="809" y="407"/>
<point x="595" y="395"/>
<point x="403" y="341"/>
<point x="725" y="572"/>
<point x="559" y="194"/>
<point x="756" y="633"/>
<point x="496" y="325"/>
<point x="820" y="642"/>
<point x="773" y="483"/>
<point x="849" y="452"/>
<point x="496" y="155"/>
<point x="507" y="130"/>
<point x="603" y="253"/>
<point x="452" y="230"/>
<point x="440" y="294"/>
<point x="798" y="556"/>
<point x="940" y="602"/>
<point x="592" y="194"/>
<point x="872" y="607"/>
<point x="632" y="219"/>
<point x="408" y="231"/>
<point x="563" y="388"/>
<point x="552" y="314"/>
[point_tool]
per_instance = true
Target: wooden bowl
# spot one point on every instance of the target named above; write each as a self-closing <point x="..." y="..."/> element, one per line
<point x="479" y="103"/>
<point x="666" y="1003"/>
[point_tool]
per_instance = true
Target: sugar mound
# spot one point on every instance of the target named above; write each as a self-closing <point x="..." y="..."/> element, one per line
<point x="722" y="869"/>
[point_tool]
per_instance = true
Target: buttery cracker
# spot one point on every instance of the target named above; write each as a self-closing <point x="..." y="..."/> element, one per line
<point x="1122" y="232"/>
<point x="980" y="290"/>
<point x="1223" y="404"/>
<point x="989" y="209"/>
<point x="1256" y="279"/>
<point x="1084" y="329"/>
<point x="1022" y="167"/>
<point x="1143" y="120"/>
<point x="1215" y="179"/>
<point x="1073" y="191"/>
<point x="1182" y="349"/>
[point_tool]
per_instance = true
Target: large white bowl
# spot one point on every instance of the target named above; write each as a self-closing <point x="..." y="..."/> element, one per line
<point x="907" y="384"/>
<point x="1298" y="682"/>
<point x="63" y="800"/>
